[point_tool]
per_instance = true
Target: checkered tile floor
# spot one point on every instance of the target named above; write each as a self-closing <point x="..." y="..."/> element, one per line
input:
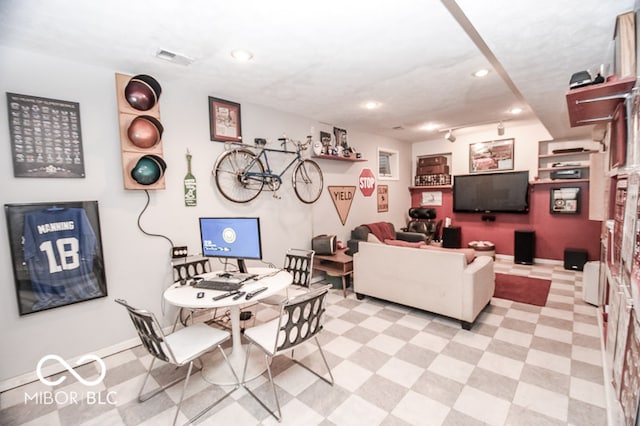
<point x="519" y="365"/>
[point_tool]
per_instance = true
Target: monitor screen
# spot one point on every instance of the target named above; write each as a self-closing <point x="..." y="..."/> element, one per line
<point x="231" y="237"/>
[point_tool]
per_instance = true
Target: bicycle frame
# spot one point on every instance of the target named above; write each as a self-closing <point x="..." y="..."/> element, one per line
<point x="268" y="173"/>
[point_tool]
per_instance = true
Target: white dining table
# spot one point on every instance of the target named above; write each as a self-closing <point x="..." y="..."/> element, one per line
<point x="214" y="368"/>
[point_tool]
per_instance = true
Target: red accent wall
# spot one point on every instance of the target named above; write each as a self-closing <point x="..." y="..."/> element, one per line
<point x="553" y="232"/>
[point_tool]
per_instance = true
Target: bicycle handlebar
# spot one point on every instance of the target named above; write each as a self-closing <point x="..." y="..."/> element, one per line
<point x="300" y="146"/>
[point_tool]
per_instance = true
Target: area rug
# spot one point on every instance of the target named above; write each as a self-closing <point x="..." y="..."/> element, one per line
<point x="533" y="291"/>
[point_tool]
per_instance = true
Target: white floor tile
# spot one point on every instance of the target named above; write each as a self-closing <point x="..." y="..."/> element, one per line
<point x="549" y="361"/>
<point x="542" y="401"/>
<point x="355" y="411"/>
<point x="401" y="372"/>
<point x="482" y="406"/>
<point x="451" y="368"/>
<point x="501" y="365"/>
<point x="416" y="409"/>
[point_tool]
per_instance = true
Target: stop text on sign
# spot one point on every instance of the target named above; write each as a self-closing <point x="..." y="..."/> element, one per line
<point x="367" y="182"/>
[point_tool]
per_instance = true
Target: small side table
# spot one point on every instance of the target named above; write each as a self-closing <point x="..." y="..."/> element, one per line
<point x="483" y="248"/>
<point x="335" y="265"/>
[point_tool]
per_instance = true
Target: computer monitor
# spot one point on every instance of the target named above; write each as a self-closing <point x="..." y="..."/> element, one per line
<point x="232" y="238"/>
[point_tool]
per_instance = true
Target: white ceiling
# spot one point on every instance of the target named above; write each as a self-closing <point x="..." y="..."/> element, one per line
<point x="324" y="59"/>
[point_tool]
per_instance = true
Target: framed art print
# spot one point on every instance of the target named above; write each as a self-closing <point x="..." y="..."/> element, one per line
<point x="491" y="156"/>
<point x="565" y="200"/>
<point x="224" y="120"/>
<point x="46" y="139"/>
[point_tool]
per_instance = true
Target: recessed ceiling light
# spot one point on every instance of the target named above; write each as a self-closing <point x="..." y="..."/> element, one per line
<point x="371" y="104"/>
<point x="481" y="73"/>
<point x="430" y="127"/>
<point x="241" y="55"/>
<point x="516" y="110"/>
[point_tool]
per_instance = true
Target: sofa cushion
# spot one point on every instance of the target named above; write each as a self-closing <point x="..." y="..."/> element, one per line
<point x="469" y="254"/>
<point x="402" y="243"/>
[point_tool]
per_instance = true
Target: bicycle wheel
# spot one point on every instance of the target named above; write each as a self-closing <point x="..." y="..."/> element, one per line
<point x="308" y="181"/>
<point x="231" y="180"/>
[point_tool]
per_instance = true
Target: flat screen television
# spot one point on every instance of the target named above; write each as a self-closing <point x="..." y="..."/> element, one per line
<point x="231" y="238"/>
<point x="506" y="192"/>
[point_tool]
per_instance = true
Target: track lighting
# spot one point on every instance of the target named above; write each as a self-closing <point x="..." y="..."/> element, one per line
<point x="500" y="129"/>
<point x="450" y="136"/>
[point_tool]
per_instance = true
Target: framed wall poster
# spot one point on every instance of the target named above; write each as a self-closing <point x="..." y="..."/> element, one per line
<point x="56" y="250"/>
<point x="383" y="198"/>
<point x="431" y="198"/>
<point x="224" y="120"/>
<point x="491" y="156"/>
<point x="46" y="139"/>
<point x="341" y="137"/>
<point x="564" y="200"/>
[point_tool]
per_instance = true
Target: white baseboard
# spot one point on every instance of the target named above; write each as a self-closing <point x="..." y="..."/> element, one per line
<point x="31" y="376"/>
<point x="535" y="260"/>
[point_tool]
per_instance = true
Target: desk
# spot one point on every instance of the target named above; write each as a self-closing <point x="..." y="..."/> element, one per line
<point x="336" y="265"/>
<point x="185" y="296"/>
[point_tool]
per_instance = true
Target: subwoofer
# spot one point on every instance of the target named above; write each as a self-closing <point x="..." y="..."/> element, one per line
<point x="574" y="259"/>
<point x="524" y="247"/>
<point x="451" y="237"/>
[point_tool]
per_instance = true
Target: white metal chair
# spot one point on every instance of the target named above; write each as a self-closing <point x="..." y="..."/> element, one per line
<point x="178" y="348"/>
<point x="300" y="320"/>
<point x="299" y="263"/>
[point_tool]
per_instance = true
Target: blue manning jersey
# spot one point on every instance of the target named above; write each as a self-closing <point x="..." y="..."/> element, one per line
<point x="59" y="248"/>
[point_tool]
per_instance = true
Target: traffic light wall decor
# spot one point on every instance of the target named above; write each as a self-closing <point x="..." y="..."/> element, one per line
<point x="141" y="131"/>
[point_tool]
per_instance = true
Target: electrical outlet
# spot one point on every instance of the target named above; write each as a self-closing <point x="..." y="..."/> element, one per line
<point x="180" y="251"/>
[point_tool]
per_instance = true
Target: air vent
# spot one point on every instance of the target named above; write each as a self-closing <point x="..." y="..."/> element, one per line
<point x="174" y="57"/>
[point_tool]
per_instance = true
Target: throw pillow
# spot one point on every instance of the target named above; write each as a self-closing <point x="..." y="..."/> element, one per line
<point x="401" y="243"/>
<point x="373" y="239"/>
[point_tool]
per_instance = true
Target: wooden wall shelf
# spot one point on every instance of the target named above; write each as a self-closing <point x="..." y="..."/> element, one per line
<point x="339" y="158"/>
<point x="429" y="188"/>
<point x="591" y="104"/>
<point x="557" y="181"/>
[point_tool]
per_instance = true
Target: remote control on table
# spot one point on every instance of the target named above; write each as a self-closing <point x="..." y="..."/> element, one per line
<point x="239" y="295"/>
<point x="254" y="292"/>
<point x="227" y="294"/>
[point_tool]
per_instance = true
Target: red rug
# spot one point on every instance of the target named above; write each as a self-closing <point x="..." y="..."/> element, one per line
<point x="518" y="288"/>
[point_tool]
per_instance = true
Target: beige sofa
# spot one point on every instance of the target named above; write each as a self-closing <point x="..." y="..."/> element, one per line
<point x="438" y="281"/>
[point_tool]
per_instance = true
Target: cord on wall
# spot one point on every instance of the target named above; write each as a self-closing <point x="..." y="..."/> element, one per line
<point x="140" y="226"/>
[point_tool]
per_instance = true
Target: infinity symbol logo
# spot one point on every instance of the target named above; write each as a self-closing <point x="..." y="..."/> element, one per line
<point x="81" y="360"/>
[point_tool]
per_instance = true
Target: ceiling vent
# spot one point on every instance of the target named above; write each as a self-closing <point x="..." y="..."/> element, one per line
<point x="174" y="57"/>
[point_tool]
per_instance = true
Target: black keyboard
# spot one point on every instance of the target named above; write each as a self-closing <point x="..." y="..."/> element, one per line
<point x="218" y="285"/>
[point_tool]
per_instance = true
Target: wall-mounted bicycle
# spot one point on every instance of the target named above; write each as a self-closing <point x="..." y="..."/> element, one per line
<point x="241" y="173"/>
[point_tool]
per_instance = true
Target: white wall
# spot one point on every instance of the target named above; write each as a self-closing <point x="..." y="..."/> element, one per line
<point x="138" y="266"/>
<point x="526" y="137"/>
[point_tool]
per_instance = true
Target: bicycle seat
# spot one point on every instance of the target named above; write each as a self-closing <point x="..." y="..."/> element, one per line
<point x="260" y="141"/>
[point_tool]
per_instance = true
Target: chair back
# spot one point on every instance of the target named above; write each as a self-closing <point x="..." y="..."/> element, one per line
<point x="300" y="319"/>
<point x="149" y="331"/>
<point x="183" y="271"/>
<point x="299" y="263"/>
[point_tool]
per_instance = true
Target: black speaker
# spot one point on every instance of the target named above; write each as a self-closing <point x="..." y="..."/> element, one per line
<point x="451" y="237"/>
<point x="524" y="247"/>
<point x="574" y="259"/>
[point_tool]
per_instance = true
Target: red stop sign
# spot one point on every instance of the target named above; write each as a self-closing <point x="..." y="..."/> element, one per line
<point x="367" y="182"/>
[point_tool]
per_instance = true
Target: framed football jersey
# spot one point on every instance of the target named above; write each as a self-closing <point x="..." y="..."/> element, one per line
<point x="56" y="251"/>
